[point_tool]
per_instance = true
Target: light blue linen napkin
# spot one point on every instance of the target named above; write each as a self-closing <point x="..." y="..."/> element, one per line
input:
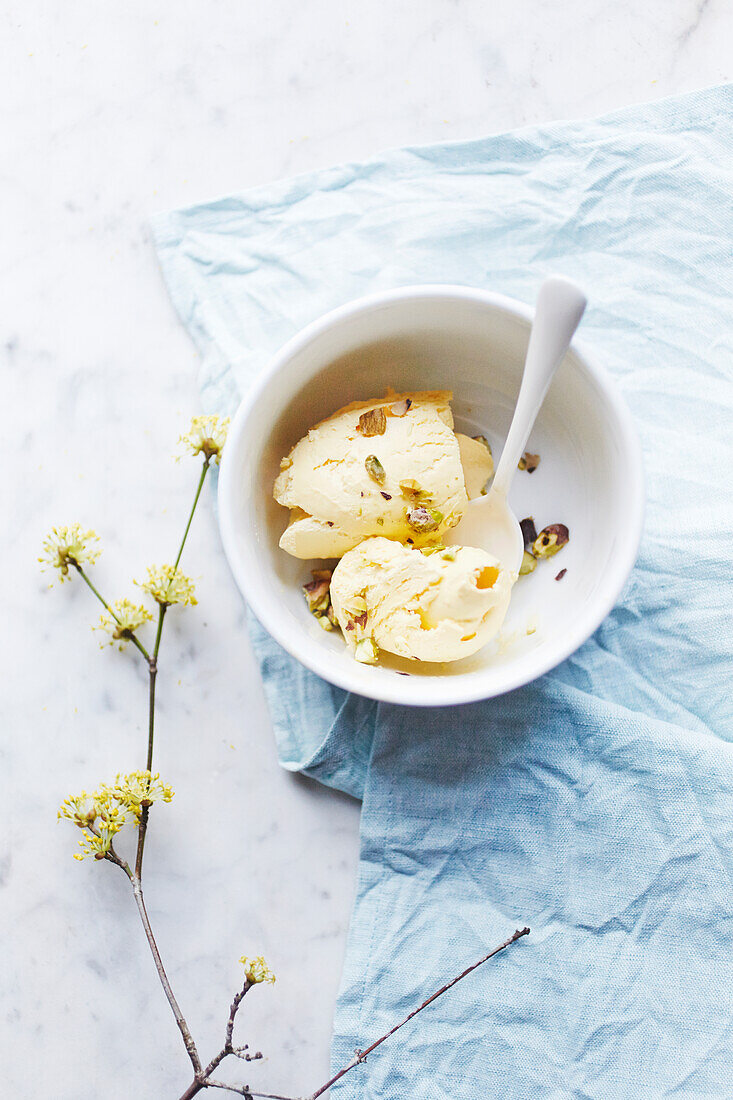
<point x="596" y="804"/>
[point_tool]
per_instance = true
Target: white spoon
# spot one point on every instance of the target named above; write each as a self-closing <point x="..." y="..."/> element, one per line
<point x="488" y="522"/>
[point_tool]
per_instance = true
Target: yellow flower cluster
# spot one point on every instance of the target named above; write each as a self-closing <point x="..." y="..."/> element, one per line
<point x="207" y="435"/>
<point x="168" y="585"/>
<point x="125" y="619"/>
<point x="138" y="789"/>
<point x="256" y="970"/>
<point x="101" y="814"/>
<point x="67" y="546"/>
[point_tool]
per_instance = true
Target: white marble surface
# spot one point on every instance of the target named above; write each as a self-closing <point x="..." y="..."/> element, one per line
<point x="111" y="112"/>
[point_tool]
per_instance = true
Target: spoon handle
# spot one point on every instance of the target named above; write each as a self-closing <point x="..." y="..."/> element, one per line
<point x="560" y="306"/>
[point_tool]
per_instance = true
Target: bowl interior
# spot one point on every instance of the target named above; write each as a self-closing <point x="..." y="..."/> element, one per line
<point x="475" y="346"/>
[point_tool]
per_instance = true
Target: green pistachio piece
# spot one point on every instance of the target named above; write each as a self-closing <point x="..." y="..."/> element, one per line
<point x="366" y="651"/>
<point x="375" y="469"/>
<point x="550" y="540"/>
<point x="529" y="564"/>
<point x="421" y="520"/>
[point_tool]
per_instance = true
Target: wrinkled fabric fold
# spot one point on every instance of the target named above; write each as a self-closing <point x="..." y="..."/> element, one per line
<point x="595" y="805"/>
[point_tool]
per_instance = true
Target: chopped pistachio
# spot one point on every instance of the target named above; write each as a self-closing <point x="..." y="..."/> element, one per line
<point x="360" y="620"/>
<point x="332" y="615"/>
<point x="449" y="554"/>
<point x="529" y="462"/>
<point x="529" y="531"/>
<point x="422" y="520"/>
<point x="358" y="603"/>
<point x="400" y="407"/>
<point x="375" y="469"/>
<point x="366" y="651"/>
<point x="324" y="622"/>
<point x="529" y="564"/>
<point x="550" y="539"/>
<point x="317" y="594"/>
<point x="410" y="488"/>
<point x="380" y="521"/>
<point x="428" y="550"/>
<point x="372" y="422"/>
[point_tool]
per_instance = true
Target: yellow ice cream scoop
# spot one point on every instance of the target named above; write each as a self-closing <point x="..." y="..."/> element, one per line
<point x="391" y="467"/>
<point x="437" y="604"/>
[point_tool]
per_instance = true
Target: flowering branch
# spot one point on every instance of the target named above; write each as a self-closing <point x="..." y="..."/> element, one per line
<point x="100" y="815"/>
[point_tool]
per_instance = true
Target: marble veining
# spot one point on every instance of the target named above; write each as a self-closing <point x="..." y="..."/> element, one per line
<point x="111" y="112"/>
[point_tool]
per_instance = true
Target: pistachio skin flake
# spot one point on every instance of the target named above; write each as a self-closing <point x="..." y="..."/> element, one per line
<point x="529" y="532"/>
<point x="529" y="462"/>
<point x="400" y="407"/>
<point x="375" y="469"/>
<point x="372" y="422"/>
<point x="561" y="574"/>
<point x="529" y="564"/>
<point x="423" y="520"/>
<point x="550" y="540"/>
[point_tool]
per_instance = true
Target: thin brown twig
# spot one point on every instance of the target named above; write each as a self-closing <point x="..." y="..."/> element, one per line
<point x="243" y="1090"/>
<point x="233" y="1010"/>
<point x="190" y="1045"/>
<point x="361" y="1055"/>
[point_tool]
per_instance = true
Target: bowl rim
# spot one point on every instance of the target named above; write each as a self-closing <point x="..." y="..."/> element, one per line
<point x="447" y="691"/>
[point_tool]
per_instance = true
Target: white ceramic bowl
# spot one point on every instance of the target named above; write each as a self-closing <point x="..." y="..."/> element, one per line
<point x="473" y="342"/>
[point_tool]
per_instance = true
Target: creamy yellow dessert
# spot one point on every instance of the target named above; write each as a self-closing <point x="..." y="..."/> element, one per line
<point x="391" y="467"/>
<point x="438" y="604"/>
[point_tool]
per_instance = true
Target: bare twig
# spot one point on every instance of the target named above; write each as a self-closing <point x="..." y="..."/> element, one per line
<point x="361" y="1055"/>
<point x="193" y="1053"/>
<point x="233" y="1010"/>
